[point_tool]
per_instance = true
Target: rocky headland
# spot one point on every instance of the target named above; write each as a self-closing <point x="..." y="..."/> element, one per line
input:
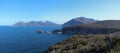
<point x="100" y="43"/>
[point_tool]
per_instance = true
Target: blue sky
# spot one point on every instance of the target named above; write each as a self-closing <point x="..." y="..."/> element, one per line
<point x="58" y="11"/>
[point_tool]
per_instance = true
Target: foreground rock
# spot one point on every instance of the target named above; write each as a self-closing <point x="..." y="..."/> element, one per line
<point x="101" y="43"/>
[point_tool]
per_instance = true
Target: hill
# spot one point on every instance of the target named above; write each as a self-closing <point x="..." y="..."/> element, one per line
<point x="78" y="21"/>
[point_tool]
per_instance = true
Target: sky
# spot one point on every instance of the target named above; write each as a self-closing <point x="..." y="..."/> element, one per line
<point x="58" y="11"/>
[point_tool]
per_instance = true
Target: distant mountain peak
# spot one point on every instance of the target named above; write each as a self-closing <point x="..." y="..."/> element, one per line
<point x="80" y="18"/>
<point x="79" y="21"/>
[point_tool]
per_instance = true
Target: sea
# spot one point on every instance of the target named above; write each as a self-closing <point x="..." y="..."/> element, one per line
<point x="26" y="40"/>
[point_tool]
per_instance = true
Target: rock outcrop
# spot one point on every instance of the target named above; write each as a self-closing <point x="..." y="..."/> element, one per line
<point x="100" y="43"/>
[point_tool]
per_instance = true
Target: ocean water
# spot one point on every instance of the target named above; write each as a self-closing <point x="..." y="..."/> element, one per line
<point x="26" y="40"/>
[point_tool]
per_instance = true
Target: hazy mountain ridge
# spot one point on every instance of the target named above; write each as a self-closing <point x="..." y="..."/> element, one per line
<point x="36" y="23"/>
<point x="79" y="21"/>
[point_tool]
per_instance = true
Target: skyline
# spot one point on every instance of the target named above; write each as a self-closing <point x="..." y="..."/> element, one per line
<point x="58" y="11"/>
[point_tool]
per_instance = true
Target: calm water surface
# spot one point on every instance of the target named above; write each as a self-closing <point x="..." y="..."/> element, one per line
<point x="26" y="40"/>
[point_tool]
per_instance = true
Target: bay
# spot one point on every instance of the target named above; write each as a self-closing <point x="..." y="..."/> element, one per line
<point x="26" y="40"/>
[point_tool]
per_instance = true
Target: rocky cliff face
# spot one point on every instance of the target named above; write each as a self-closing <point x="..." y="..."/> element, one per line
<point x="36" y="23"/>
<point x="78" y="21"/>
<point x="100" y="27"/>
<point x="83" y="30"/>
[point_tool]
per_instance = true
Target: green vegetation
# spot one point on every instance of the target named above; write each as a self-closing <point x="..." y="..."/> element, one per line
<point x="100" y="43"/>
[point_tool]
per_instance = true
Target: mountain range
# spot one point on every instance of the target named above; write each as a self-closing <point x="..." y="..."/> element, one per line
<point x="36" y="23"/>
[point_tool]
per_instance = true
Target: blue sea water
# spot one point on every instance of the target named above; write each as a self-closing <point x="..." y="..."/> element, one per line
<point x="26" y="40"/>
